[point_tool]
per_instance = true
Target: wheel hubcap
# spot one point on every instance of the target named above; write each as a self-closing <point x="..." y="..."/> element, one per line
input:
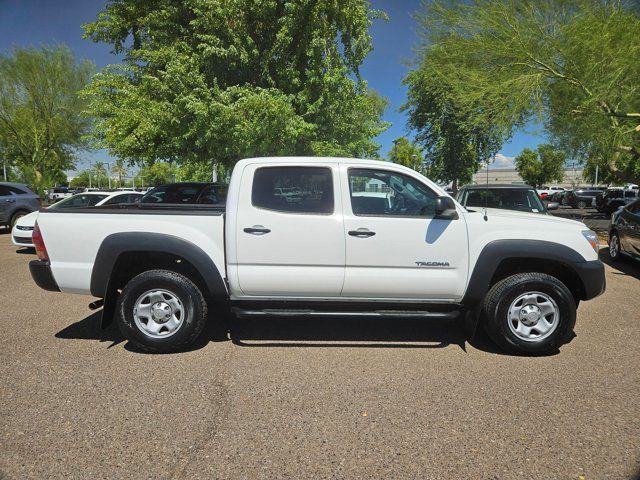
<point x="613" y="246"/>
<point x="533" y="316"/>
<point x="158" y="313"/>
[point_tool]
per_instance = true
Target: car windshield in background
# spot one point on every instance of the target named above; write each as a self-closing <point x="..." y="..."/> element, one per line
<point x="189" y="193"/>
<point x="520" y="199"/>
<point x="78" y="201"/>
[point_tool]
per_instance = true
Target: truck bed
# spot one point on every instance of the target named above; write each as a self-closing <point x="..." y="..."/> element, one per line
<point x="74" y="236"/>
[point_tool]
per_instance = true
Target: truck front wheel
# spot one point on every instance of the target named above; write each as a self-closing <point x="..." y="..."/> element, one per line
<point x="529" y="313"/>
<point x="161" y="311"/>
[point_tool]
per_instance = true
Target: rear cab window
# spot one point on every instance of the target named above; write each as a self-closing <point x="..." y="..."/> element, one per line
<point x="306" y="190"/>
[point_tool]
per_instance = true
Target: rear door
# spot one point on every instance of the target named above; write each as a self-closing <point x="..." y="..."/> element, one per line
<point x="630" y="228"/>
<point x="394" y="246"/>
<point x="289" y="231"/>
<point x="7" y="202"/>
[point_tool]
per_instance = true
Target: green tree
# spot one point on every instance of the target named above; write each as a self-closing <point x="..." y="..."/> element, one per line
<point x="407" y="153"/>
<point x="454" y="143"/>
<point x="544" y="165"/>
<point x="82" y="179"/>
<point x="41" y="121"/>
<point x="157" y="174"/>
<point x="570" y="64"/>
<point x="119" y="169"/>
<point x="99" y="173"/>
<point x="216" y="81"/>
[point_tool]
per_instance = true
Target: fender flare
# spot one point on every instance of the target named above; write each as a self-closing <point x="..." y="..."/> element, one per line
<point x="497" y="251"/>
<point x="118" y="243"/>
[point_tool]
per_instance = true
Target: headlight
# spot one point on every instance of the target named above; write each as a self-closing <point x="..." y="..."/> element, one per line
<point x="592" y="238"/>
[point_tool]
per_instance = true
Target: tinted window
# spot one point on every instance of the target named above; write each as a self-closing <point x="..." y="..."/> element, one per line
<point x="17" y="191"/>
<point x="78" y="201"/>
<point x="381" y="192"/>
<point x="293" y="189"/>
<point x="119" y="199"/>
<point x="4" y="191"/>
<point x="213" y="195"/>
<point x="634" y="207"/>
<point x="507" y="199"/>
<point x="172" y="194"/>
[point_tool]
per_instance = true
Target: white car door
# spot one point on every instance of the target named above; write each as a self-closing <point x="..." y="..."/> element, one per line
<point x="289" y="231"/>
<point x="395" y="247"/>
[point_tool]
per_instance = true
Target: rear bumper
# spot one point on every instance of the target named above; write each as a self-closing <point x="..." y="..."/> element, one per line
<point x="41" y="274"/>
<point x="592" y="276"/>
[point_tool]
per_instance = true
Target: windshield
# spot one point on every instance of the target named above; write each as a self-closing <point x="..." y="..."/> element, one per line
<point x="80" y="200"/>
<point x="521" y="200"/>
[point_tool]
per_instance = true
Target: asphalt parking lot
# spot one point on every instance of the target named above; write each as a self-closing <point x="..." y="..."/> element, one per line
<point x="400" y="398"/>
<point x="596" y="221"/>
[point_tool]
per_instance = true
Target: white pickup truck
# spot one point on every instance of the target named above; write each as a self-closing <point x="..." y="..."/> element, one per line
<point x="315" y="237"/>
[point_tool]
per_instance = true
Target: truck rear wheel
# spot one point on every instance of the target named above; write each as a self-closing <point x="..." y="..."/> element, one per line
<point x="161" y="311"/>
<point x="529" y="313"/>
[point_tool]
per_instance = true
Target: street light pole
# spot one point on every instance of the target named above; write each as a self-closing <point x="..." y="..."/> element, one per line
<point x="4" y="166"/>
<point x="108" y="175"/>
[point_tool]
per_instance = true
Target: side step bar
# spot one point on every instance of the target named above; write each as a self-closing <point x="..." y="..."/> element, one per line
<point x="281" y="312"/>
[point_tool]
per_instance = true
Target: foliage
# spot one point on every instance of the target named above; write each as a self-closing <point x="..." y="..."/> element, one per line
<point x="455" y="144"/>
<point x="407" y="153"/>
<point x="216" y="81"/>
<point x="157" y="174"/>
<point x="84" y="178"/>
<point x="41" y="125"/>
<point x="119" y="169"/>
<point x="571" y="64"/>
<point x="544" y="165"/>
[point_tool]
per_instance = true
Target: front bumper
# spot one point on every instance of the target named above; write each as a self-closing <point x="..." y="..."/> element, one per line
<point x="41" y="274"/>
<point x="592" y="277"/>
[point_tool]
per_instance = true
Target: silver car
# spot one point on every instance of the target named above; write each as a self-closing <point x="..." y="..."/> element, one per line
<point x="16" y="200"/>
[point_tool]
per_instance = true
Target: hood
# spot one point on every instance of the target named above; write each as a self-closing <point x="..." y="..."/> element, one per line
<point x="28" y="220"/>
<point x="541" y="217"/>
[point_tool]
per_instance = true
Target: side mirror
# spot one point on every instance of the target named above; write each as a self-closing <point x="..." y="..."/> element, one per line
<point x="552" y="205"/>
<point x="445" y="209"/>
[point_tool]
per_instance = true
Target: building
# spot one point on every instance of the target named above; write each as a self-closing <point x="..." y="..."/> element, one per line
<point x="572" y="177"/>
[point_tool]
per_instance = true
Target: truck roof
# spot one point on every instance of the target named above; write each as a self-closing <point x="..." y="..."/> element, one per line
<point x="314" y="160"/>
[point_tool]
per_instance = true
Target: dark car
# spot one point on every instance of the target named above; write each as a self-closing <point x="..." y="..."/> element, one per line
<point x="614" y="198"/>
<point x="522" y="198"/>
<point x="624" y="232"/>
<point x="16" y="200"/>
<point x="582" y="197"/>
<point x="559" y="197"/>
<point x="187" y="193"/>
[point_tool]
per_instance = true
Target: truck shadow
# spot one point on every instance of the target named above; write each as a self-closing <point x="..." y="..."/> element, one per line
<point x="392" y="333"/>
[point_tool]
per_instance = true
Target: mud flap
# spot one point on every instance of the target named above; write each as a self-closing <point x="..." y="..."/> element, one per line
<point x="471" y="321"/>
<point x="109" y="308"/>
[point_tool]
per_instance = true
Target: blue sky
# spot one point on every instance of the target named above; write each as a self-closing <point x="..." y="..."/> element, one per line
<point x="36" y="22"/>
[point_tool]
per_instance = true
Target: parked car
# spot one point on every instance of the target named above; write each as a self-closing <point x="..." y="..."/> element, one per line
<point x="624" y="232"/>
<point x="614" y="198"/>
<point x="559" y="197"/>
<point x="341" y="251"/>
<point x="187" y="193"/>
<point x="22" y="231"/>
<point x="522" y="198"/>
<point x="56" y="194"/>
<point x="16" y="201"/>
<point x="545" y="191"/>
<point x="582" y="197"/>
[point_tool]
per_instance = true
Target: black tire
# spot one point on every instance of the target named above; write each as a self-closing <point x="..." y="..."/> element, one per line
<point x="502" y="294"/>
<point x="190" y="296"/>
<point x="615" y="253"/>
<point x="16" y="216"/>
<point x="582" y="205"/>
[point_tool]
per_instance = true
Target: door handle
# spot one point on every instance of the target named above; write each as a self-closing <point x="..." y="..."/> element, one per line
<point x="361" y="233"/>
<point x="10" y="200"/>
<point x="257" y="230"/>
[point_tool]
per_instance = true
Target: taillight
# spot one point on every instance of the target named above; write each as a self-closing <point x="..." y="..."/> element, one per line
<point x="38" y="242"/>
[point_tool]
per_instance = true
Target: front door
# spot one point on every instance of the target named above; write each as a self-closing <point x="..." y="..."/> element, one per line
<point x="289" y="231"/>
<point x="395" y="248"/>
<point x="7" y="201"/>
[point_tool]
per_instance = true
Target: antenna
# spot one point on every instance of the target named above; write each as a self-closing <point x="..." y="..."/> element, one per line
<point x="486" y="193"/>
